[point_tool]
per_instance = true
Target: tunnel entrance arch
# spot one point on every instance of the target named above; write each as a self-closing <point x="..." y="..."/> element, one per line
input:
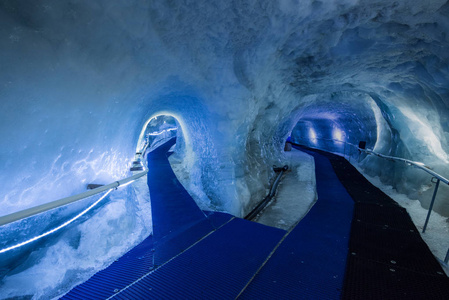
<point x="160" y="127"/>
<point x="190" y="160"/>
<point x="338" y="122"/>
<point x="156" y="130"/>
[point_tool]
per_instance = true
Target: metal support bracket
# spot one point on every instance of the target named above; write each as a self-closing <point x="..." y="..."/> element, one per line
<point x="431" y="203"/>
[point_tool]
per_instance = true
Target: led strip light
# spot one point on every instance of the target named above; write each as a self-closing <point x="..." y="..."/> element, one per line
<point x="57" y="228"/>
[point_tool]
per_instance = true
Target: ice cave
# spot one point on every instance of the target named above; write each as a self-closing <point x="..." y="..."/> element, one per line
<point x="85" y="85"/>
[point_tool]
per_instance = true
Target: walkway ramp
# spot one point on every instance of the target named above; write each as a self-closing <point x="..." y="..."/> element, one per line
<point x="329" y="255"/>
<point x="388" y="258"/>
<point x="217" y="267"/>
<point x="310" y="263"/>
<point x="177" y="221"/>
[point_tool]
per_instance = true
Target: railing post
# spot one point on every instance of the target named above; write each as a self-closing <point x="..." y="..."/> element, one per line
<point x="431" y="204"/>
<point x="349" y="155"/>
<point x="446" y="259"/>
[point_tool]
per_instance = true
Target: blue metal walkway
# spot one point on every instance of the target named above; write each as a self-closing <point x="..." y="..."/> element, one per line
<point x="209" y="255"/>
<point x="310" y="263"/>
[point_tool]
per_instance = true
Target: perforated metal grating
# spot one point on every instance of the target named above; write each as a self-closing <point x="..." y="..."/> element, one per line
<point x="310" y="263"/>
<point x="387" y="257"/>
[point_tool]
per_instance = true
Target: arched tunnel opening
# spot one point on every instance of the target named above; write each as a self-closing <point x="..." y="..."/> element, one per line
<point x="85" y="87"/>
<point x="337" y="123"/>
<point x="162" y="127"/>
<point x="156" y="129"/>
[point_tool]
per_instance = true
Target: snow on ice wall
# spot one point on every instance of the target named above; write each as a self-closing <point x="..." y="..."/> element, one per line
<point x="79" y="79"/>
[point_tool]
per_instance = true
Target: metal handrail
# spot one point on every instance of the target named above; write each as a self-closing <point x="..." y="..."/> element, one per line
<point x="58" y="203"/>
<point x="259" y="207"/>
<point x="64" y="201"/>
<point x="334" y="140"/>
<point x="419" y="165"/>
<point x="67" y="200"/>
<point x="439" y="178"/>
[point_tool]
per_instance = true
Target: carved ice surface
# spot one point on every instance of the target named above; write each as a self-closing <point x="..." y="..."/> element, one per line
<point x="295" y="195"/>
<point x="80" y="79"/>
<point x="53" y="265"/>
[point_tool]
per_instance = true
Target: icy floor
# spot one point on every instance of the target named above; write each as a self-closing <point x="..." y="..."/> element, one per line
<point x="296" y="193"/>
<point x="437" y="232"/>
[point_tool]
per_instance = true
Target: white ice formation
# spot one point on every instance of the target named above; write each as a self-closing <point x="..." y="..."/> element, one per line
<point x="80" y="79"/>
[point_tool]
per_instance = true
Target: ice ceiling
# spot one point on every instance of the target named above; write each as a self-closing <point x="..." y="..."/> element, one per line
<point x="79" y="79"/>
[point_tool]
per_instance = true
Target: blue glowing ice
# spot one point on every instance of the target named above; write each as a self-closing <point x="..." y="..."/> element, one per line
<point x="79" y="81"/>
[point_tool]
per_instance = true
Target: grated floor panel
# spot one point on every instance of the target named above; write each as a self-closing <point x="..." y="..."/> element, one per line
<point x="310" y="263"/>
<point x="217" y="267"/>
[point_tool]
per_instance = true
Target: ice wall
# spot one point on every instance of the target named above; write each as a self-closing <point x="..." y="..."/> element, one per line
<point x="338" y="121"/>
<point x="79" y="79"/>
<point x="51" y="266"/>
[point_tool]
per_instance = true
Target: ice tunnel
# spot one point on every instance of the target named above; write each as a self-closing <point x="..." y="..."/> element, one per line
<point x="82" y="82"/>
<point x="337" y="119"/>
